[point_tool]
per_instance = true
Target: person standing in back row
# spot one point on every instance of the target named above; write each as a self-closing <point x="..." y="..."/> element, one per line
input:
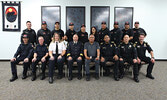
<point x="103" y="31"/>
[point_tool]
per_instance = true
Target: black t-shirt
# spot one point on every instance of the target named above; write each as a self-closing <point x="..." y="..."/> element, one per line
<point x="31" y="34"/>
<point x="60" y="32"/>
<point x="83" y="37"/>
<point x="136" y="33"/>
<point x="69" y="34"/>
<point x="46" y="34"/>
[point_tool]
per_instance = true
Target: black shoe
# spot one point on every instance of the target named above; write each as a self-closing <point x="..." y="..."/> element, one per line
<point x="13" y="78"/>
<point x="150" y="76"/>
<point x="43" y="77"/>
<point x="33" y="78"/>
<point x="87" y="78"/>
<point x="136" y="79"/>
<point x="59" y="77"/>
<point x="116" y="78"/>
<point x="97" y="76"/>
<point x="121" y="76"/>
<point x="79" y="77"/>
<point x="50" y="80"/>
<point x="24" y="77"/>
<point x="70" y="78"/>
<point x="106" y="74"/>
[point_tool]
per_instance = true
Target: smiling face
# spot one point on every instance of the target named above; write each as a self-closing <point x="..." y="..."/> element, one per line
<point x="28" y="24"/>
<point x="25" y="40"/>
<point x="56" y="36"/>
<point x="93" y="30"/>
<point x="41" y="40"/>
<point x="83" y="29"/>
<point x="91" y="38"/>
<point x="103" y="26"/>
<point x="141" y="37"/>
<point x="75" y="37"/>
<point x="106" y="38"/>
<point x="126" y="38"/>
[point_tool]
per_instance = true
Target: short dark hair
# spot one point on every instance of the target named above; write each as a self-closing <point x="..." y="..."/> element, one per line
<point x="28" y="22"/>
<point x="142" y="34"/>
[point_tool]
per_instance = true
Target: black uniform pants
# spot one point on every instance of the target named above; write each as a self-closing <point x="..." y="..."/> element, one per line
<point x="34" y="64"/>
<point x="26" y="65"/>
<point x="150" y="64"/>
<point x="79" y="64"/>
<point x="130" y="61"/>
<point x="52" y="64"/>
<point x="116" y="63"/>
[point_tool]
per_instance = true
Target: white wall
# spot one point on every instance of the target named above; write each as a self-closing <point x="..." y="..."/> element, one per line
<point x="151" y="14"/>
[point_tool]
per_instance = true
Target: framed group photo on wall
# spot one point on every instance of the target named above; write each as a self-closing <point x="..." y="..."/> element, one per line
<point x="122" y="15"/>
<point x="11" y="15"/>
<point x="98" y="15"/>
<point x="76" y="15"/>
<point x="51" y="14"/>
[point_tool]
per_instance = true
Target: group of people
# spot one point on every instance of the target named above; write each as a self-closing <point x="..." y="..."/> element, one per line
<point x="48" y="47"/>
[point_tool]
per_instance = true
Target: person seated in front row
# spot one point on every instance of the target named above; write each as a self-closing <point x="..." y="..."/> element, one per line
<point x="40" y="54"/>
<point x="57" y="51"/>
<point x="92" y="54"/>
<point x="75" y="53"/>
<point x="108" y="51"/>
<point x="128" y="53"/>
<point x="23" y="53"/>
<point x="142" y="46"/>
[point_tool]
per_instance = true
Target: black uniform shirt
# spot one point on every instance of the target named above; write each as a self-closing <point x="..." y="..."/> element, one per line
<point x="102" y="33"/>
<point x="127" y="32"/>
<point x="70" y="34"/>
<point x="116" y="35"/>
<point x="108" y="50"/>
<point x="46" y="34"/>
<point x="75" y="49"/>
<point x="31" y="34"/>
<point x="136" y="33"/>
<point x="141" y="49"/>
<point x="24" y="51"/>
<point x="127" y="51"/>
<point x="83" y="37"/>
<point x="41" y="50"/>
<point x="60" y="32"/>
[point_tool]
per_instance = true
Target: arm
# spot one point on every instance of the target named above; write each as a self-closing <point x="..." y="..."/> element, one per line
<point x="17" y="52"/>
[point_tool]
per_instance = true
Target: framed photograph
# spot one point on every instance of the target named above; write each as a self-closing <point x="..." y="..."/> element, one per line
<point x="76" y="15"/>
<point x="98" y="15"/>
<point x="51" y="14"/>
<point x="11" y="16"/>
<point x="122" y="15"/>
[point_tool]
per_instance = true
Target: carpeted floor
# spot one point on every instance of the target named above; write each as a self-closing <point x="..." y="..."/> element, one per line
<point x="106" y="88"/>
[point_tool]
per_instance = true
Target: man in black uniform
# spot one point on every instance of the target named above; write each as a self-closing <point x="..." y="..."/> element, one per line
<point x="83" y="35"/>
<point x="103" y="31"/>
<point x="127" y="31"/>
<point x="40" y="54"/>
<point x="58" y="30"/>
<point x="142" y="46"/>
<point x="137" y="31"/>
<point x="128" y="54"/>
<point x="75" y="53"/>
<point x="70" y="32"/>
<point x="109" y="53"/>
<point x="116" y="34"/>
<point x="30" y="33"/>
<point x="45" y="33"/>
<point x="23" y="53"/>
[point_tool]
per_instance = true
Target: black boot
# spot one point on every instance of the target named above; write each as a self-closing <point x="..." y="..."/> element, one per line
<point x="33" y="77"/>
<point x="150" y="76"/>
<point x="50" y="80"/>
<point x="24" y="76"/>
<point x="116" y="78"/>
<point x="70" y="77"/>
<point x="136" y="79"/>
<point x="79" y="76"/>
<point x="43" y="76"/>
<point x="14" y="77"/>
<point x="87" y="77"/>
<point x="97" y="76"/>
